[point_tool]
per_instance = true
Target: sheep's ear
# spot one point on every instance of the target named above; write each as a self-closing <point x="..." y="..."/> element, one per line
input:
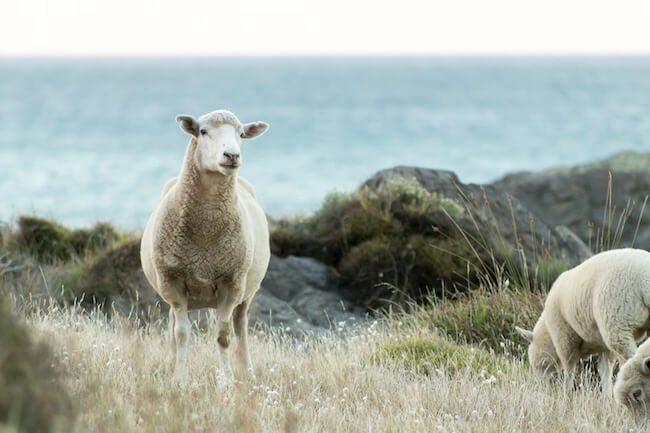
<point x="188" y="124"/>
<point x="528" y="335"/>
<point x="254" y="129"/>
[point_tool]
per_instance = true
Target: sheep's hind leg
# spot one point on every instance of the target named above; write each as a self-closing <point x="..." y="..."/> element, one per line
<point x="242" y="356"/>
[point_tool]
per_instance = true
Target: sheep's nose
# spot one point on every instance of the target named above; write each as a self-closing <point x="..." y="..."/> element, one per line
<point x="637" y="395"/>
<point x="233" y="157"/>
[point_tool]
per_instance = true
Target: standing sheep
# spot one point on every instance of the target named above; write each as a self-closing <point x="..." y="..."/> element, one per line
<point x="207" y="242"/>
<point x="600" y="306"/>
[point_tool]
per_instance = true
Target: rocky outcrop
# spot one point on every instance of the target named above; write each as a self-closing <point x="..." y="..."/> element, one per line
<point x="577" y="196"/>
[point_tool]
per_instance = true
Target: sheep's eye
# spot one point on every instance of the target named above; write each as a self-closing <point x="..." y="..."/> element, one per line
<point x="203" y="132"/>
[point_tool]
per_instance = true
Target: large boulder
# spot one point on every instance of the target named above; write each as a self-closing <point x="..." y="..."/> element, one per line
<point x="301" y="294"/>
<point x="578" y="197"/>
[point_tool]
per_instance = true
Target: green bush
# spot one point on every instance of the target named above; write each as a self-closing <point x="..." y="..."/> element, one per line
<point x="32" y="398"/>
<point x="49" y="242"/>
<point x="383" y="266"/>
<point x="387" y="244"/>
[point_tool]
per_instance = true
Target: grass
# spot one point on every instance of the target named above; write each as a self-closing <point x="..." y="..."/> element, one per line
<point x="119" y="376"/>
<point x="484" y="317"/>
<point x="429" y="353"/>
<point x="614" y="225"/>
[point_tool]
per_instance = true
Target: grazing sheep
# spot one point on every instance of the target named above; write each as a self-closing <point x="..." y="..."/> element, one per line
<point x="632" y="387"/>
<point x="600" y="306"/>
<point x="207" y="242"/>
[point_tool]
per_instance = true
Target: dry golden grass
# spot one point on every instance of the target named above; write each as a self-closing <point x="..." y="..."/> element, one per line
<point x="119" y="376"/>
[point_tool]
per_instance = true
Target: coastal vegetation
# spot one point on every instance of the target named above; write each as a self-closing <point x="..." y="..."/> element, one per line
<point x="444" y="278"/>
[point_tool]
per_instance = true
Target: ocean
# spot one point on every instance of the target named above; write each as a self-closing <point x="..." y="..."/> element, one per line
<point x="83" y="140"/>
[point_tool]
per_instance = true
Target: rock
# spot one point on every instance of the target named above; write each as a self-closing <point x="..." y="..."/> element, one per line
<point x="297" y="293"/>
<point x="577" y="198"/>
<point x="625" y="161"/>
<point x="301" y="294"/>
<point x="497" y="214"/>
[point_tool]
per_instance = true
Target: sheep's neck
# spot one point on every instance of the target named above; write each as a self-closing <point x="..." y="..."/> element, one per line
<point x="208" y="196"/>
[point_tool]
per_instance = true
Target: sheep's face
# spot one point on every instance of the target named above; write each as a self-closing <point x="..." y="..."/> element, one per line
<point x="218" y="137"/>
<point x="632" y="388"/>
<point x="542" y="355"/>
<point x="218" y="149"/>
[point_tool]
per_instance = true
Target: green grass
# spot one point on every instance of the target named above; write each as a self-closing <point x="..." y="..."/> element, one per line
<point x="428" y="353"/>
<point x="484" y="317"/>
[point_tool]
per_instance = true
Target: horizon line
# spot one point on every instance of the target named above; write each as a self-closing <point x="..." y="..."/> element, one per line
<point x="325" y="55"/>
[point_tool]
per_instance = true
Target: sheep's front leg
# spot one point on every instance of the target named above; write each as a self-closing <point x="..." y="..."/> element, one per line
<point x="181" y="337"/>
<point x="242" y="356"/>
<point x="224" y="355"/>
<point x="229" y="295"/>
<point x="224" y="315"/>
<point x="604" y="371"/>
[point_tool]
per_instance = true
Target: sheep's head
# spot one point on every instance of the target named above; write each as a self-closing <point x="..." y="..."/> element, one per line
<point x="218" y="137"/>
<point x="542" y="355"/>
<point x="632" y="387"/>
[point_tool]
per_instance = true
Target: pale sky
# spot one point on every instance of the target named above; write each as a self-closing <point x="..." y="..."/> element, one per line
<point x="326" y="27"/>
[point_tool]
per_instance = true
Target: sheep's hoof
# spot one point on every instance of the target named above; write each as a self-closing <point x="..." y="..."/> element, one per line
<point x="180" y="377"/>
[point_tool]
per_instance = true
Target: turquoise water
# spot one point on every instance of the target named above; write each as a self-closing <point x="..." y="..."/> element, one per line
<point x="90" y="139"/>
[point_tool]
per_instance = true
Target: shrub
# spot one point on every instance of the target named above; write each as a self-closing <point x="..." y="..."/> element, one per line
<point x="31" y="398"/>
<point x="48" y="241"/>
<point x="382" y="266"/>
<point x="387" y="244"/>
